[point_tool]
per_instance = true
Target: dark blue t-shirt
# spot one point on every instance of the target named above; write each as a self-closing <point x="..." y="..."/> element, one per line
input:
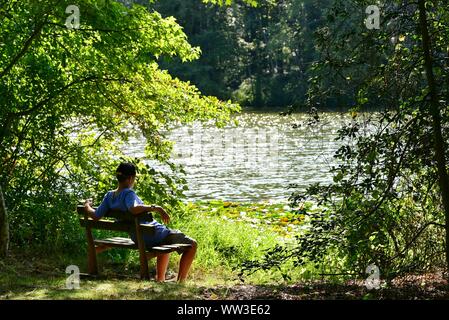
<point x="125" y="200"/>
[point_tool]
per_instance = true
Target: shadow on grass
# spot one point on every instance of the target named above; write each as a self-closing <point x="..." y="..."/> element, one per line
<point x="39" y="276"/>
<point x="43" y="277"/>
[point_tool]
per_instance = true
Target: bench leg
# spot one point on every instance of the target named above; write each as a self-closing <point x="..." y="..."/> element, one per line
<point x="92" y="265"/>
<point x="144" y="273"/>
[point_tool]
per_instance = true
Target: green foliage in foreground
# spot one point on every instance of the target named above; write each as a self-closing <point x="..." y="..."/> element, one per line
<point x="388" y="204"/>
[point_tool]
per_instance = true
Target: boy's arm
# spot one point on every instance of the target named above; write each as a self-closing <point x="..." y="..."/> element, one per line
<point x="100" y="211"/>
<point x="140" y="208"/>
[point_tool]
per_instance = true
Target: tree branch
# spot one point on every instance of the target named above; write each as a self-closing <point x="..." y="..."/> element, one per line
<point x="57" y="93"/>
<point x="24" y="49"/>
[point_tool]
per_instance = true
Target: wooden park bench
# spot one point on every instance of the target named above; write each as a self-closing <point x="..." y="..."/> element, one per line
<point x="126" y="222"/>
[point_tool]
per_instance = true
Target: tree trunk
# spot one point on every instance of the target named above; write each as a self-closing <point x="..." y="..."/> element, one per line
<point x="439" y="144"/>
<point x="4" y="227"/>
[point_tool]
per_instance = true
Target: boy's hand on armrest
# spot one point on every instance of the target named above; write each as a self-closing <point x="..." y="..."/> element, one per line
<point x="164" y="215"/>
<point x="88" y="204"/>
<point x="88" y="208"/>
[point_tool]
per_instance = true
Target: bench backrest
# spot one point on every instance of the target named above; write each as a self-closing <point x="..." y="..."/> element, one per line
<point x="126" y="221"/>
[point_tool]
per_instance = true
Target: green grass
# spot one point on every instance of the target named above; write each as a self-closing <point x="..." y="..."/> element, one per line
<point x="230" y="233"/>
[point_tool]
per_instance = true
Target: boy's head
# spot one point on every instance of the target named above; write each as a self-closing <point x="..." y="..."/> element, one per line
<point x="126" y="174"/>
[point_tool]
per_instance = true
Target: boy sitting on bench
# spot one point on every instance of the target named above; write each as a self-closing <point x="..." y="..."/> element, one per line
<point x="125" y="199"/>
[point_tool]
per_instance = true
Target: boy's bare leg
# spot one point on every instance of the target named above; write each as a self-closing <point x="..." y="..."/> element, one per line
<point x="186" y="261"/>
<point x="161" y="266"/>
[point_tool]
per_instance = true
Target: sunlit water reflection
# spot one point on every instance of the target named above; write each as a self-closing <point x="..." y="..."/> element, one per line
<point x="256" y="160"/>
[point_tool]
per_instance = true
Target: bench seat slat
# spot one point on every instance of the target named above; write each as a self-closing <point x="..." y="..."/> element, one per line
<point x="120" y="242"/>
<point x="176" y="245"/>
<point x="160" y="249"/>
<point x="117" y="242"/>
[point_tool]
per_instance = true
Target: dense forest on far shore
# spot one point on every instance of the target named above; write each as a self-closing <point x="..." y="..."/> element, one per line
<point x="262" y="57"/>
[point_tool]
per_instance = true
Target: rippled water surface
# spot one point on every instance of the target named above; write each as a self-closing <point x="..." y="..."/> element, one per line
<point x="257" y="159"/>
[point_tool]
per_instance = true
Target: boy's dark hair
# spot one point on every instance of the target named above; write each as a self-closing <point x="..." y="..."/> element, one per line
<point x="125" y="170"/>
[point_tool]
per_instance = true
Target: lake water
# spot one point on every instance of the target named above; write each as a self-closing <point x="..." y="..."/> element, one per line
<point x="257" y="159"/>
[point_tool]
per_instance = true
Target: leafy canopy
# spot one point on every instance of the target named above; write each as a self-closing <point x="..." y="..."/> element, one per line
<point x="70" y="100"/>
